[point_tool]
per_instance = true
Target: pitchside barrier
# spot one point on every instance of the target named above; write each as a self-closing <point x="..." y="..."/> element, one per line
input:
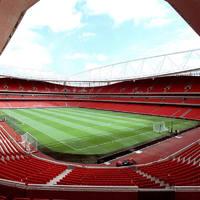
<point x="159" y="127"/>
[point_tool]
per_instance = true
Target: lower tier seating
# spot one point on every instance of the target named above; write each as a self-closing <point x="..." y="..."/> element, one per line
<point x="107" y="177"/>
<point x="17" y="165"/>
<point x="192" y="154"/>
<point x="182" y="170"/>
<point x="29" y="170"/>
<point x="168" y="111"/>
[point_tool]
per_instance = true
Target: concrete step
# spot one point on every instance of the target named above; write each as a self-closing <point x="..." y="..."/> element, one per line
<point x="59" y="177"/>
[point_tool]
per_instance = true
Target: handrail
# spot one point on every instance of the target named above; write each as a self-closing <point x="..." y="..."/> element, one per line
<point x="86" y="188"/>
<point x="170" y="156"/>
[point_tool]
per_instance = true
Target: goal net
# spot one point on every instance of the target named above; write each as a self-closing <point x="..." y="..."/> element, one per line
<point x="159" y="127"/>
<point x="29" y="143"/>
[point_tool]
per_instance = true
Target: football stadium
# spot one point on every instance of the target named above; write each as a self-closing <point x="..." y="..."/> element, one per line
<point x="128" y="130"/>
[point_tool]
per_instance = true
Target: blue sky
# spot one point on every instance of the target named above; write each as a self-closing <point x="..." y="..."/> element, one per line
<point x="58" y="38"/>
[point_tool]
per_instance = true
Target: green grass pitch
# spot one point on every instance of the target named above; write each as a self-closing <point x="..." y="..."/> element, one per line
<point x="89" y="131"/>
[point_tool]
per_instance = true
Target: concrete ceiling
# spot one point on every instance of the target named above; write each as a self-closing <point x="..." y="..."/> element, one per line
<point x="11" y="13"/>
<point x="189" y="10"/>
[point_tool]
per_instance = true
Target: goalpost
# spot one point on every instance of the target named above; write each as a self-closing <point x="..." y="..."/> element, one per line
<point x="159" y="127"/>
<point x="29" y="143"/>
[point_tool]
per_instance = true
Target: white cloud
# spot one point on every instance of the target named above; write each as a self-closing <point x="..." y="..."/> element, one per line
<point x="90" y="66"/>
<point x="101" y="57"/>
<point x="25" y="54"/>
<point x="158" y="22"/>
<point x="57" y="15"/>
<point x="77" y="56"/>
<point x="124" y="10"/>
<point x="86" y="57"/>
<point x="184" y="39"/>
<point x="88" y="34"/>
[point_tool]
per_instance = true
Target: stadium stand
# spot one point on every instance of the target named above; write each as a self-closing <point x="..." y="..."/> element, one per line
<point x="179" y="94"/>
<point x="24" y="176"/>
<point x="152" y="97"/>
<point x="183" y="170"/>
<point x="15" y="162"/>
<point x="173" y="84"/>
<point x="109" y="177"/>
<point x="19" y="170"/>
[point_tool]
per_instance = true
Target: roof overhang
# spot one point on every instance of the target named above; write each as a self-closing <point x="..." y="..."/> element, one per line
<point x="189" y="10"/>
<point x="11" y="14"/>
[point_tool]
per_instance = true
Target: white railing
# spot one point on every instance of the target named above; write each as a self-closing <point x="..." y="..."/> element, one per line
<point x="94" y="188"/>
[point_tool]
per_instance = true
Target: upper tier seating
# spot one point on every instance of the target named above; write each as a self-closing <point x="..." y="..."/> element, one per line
<point x="176" y="90"/>
<point x="20" y="85"/>
<point x="173" y="84"/>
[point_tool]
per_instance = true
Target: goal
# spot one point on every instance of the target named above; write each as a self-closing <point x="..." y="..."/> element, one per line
<point x="29" y="143"/>
<point x="159" y="127"/>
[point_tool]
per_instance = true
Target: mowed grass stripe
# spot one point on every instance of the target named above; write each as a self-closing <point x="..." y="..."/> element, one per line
<point x="120" y="115"/>
<point x="119" y="139"/>
<point x="124" y="129"/>
<point x="116" y="132"/>
<point x="103" y="123"/>
<point x="111" y="140"/>
<point x="49" y="124"/>
<point x="131" y="116"/>
<point x="55" y="134"/>
<point x="96" y="126"/>
<point x="46" y="140"/>
<point x="137" y="138"/>
<point x="78" y="124"/>
<point x="180" y="124"/>
<point x="113" y="132"/>
<point x="88" y="131"/>
<point x="134" y="139"/>
<point x="81" y="142"/>
<point x="49" y="132"/>
<point x="129" y="140"/>
<point x="104" y="118"/>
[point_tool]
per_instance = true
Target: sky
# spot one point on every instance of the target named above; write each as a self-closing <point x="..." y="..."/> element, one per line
<point x="59" y="38"/>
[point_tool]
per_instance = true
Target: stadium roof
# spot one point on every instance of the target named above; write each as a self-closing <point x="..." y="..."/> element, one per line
<point x="173" y="64"/>
<point x="11" y="13"/>
<point x="189" y="10"/>
<point x="155" y="66"/>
